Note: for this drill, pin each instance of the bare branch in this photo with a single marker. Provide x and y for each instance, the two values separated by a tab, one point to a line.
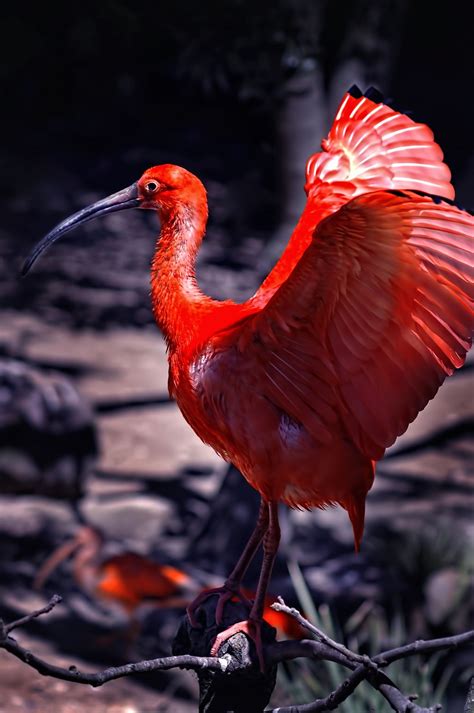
302	648
55	599
357	658
368	668
109	674
308	649
424	647
330	702
361	667
397	700
98	679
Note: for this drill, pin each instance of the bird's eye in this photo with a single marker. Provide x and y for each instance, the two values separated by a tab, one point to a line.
151	186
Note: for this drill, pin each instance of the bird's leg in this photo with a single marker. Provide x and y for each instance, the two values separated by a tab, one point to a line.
231	586
271	542
252	626
235	577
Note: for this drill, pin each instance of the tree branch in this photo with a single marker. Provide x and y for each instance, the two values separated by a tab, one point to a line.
401	703
109	674
423	647
6	628
361	667
368	668
357	658
330	702
73	674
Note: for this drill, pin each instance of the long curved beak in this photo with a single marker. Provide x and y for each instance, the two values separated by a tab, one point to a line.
126	198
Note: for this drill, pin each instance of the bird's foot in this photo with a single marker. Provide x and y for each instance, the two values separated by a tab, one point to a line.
252	628
228	591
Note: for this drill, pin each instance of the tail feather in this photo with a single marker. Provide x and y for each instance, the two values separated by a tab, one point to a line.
355	506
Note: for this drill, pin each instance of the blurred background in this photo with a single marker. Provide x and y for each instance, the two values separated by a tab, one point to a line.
106	496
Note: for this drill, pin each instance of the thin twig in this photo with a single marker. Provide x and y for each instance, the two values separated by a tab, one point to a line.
308	649
401	703
423	647
300	648
330	702
357	658
396	698
54	601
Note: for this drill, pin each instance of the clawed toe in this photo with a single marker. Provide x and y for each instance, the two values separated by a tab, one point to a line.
252	628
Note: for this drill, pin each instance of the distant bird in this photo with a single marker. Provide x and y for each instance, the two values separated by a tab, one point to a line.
128	578
131	580
367	311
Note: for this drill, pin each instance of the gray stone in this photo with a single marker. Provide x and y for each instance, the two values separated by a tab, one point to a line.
47	432
132	519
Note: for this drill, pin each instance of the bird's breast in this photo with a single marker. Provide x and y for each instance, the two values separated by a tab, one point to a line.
222	396
199	388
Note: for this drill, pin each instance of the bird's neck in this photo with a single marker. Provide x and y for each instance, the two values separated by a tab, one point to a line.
178	304
87	559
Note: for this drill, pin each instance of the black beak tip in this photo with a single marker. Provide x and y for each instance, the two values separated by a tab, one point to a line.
24	269
126	198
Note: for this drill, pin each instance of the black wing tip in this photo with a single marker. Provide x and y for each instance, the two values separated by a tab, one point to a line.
26	267
355	92
370	93
374	95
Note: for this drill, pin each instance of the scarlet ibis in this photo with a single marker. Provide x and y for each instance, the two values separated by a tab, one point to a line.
128	578
366	312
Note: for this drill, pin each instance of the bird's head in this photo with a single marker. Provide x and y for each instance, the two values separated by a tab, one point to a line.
167	189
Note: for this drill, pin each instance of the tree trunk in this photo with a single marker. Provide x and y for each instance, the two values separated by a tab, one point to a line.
301	122
365	56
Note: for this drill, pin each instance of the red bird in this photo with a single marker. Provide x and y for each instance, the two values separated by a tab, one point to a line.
367	311
128	578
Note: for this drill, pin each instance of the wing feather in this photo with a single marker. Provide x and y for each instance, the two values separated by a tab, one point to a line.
372	146
377	312
369	147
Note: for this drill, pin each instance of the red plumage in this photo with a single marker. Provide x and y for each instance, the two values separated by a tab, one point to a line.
369	308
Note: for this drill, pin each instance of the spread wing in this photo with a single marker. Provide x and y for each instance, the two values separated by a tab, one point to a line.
376	313
370	146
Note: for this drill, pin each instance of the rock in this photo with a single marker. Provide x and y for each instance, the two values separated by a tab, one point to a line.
30	528
155	442
135	519
124	374
47	433
31	516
